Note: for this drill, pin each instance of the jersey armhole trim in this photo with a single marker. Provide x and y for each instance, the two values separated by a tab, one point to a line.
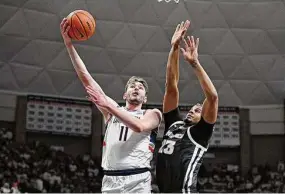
109	119
193	141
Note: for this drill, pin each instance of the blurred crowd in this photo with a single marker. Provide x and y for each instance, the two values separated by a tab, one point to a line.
38	168
228	179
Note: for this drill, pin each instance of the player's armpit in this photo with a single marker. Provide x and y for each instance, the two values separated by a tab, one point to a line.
210	110
151	120
171	98
105	112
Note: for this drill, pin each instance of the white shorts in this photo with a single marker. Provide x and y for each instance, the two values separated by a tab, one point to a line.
137	183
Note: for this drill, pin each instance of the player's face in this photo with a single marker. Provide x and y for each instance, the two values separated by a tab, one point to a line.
194	115
135	93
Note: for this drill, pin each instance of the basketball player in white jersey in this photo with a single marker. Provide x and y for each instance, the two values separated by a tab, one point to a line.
130	131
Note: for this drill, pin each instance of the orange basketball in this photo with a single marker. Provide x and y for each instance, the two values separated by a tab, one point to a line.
82	25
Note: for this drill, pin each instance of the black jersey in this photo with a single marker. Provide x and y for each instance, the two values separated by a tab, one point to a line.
181	153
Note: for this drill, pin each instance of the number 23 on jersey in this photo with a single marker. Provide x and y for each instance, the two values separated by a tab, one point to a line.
167	147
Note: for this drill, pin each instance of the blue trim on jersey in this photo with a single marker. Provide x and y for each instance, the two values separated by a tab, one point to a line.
125	172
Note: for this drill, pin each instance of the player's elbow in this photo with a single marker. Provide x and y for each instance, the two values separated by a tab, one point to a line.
138	129
171	80
213	97
171	87
141	127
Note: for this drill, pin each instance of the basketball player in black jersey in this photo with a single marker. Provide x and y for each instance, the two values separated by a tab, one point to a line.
185	140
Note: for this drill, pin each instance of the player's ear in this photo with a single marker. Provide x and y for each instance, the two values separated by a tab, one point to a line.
145	99
125	96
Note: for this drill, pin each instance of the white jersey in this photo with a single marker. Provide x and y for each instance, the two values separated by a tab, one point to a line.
124	148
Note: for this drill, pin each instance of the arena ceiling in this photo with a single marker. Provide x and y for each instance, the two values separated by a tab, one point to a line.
242	47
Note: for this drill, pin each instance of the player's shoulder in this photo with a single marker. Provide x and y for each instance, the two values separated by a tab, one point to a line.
154	111
204	124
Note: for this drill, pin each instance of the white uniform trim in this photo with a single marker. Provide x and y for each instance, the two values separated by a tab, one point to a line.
188	168
191	168
193	141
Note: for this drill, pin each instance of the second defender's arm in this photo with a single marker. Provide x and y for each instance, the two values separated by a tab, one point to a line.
171	96
210	105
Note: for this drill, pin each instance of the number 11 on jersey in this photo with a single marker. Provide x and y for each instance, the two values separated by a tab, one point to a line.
123	133
167	147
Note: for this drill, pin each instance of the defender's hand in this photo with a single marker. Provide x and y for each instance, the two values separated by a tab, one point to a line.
190	51
179	33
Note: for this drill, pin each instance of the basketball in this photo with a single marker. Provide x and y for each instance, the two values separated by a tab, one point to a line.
82	25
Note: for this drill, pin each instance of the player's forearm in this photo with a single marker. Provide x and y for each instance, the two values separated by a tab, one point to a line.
205	82
172	69
81	69
126	118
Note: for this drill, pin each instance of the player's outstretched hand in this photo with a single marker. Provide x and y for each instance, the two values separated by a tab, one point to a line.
64	28
179	32
97	97
190	51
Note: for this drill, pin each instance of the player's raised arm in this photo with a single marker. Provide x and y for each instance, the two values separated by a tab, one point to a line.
210	105
151	120
171	96
79	65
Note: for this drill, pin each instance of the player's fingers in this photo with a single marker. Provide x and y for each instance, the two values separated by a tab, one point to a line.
89	98
89	88
182	25
177	27
182	50
183	33
63	22
65	25
189	42
187	24
197	43
186	43
90	92
67	29
192	41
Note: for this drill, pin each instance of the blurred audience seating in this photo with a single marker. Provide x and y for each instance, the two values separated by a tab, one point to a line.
38	168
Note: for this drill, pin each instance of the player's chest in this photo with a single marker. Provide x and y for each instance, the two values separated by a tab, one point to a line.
176	133
119	132
173	140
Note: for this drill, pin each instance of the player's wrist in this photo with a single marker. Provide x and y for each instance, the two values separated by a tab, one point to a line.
194	62
109	107
68	43
175	46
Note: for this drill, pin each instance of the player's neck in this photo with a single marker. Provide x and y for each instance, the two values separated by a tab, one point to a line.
133	107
